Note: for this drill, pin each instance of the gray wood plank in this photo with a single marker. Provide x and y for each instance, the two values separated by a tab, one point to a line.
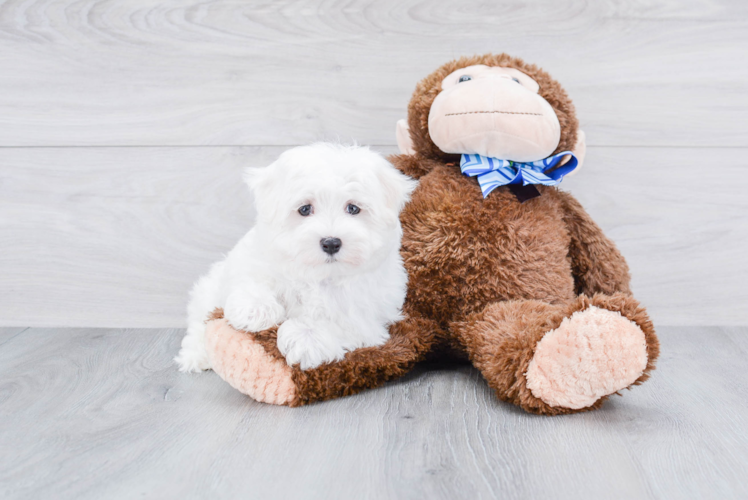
8	333
116	236
92	413
140	72
682	226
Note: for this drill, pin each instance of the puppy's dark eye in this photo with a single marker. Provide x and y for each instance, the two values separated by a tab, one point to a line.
352	209
305	210
516	80
464	78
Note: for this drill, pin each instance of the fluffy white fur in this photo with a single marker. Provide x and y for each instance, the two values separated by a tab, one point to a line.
278	273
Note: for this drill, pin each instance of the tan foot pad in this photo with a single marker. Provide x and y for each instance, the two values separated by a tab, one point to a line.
244	364
592	354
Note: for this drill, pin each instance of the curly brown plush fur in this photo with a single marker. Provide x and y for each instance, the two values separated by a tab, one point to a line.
488	278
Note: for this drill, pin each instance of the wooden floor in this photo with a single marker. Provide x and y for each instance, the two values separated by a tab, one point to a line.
124	129
101	413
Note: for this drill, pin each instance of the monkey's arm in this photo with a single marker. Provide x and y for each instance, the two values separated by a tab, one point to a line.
413	166
596	263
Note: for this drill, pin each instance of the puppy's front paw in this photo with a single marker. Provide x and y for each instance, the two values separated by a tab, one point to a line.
192	356
307	345
248	312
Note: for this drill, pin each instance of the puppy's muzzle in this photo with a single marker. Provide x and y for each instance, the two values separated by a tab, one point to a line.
330	245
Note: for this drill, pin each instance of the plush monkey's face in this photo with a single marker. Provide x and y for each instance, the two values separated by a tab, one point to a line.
493	111
494	105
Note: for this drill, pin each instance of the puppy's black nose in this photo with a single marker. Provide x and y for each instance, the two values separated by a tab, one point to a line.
330	245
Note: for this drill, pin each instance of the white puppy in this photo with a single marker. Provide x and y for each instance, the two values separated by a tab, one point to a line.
322	260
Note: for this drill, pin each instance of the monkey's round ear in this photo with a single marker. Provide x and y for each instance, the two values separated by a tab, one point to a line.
579	150
404	142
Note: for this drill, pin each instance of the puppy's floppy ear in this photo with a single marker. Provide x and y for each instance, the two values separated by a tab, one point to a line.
257	178
397	186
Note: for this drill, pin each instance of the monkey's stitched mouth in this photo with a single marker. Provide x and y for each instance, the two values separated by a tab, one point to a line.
501	112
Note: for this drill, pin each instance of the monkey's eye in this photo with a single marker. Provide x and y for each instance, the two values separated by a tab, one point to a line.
516	80
464	78
352	209
305	210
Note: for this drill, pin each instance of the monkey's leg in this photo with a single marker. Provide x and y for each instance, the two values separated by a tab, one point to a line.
556	359
252	364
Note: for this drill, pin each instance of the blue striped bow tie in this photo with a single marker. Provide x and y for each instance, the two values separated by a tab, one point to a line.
492	172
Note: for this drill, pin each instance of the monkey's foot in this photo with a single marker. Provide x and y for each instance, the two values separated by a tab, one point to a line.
252	363
243	362
593	353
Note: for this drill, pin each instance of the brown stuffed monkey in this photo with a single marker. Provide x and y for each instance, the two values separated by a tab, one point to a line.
513	275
